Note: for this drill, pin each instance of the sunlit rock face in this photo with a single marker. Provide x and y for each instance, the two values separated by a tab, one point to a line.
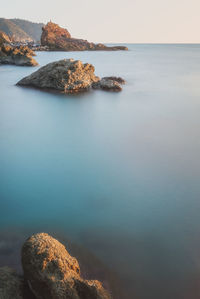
53	35
21	56
66	76
13	55
53	273
69	76
50	272
59	39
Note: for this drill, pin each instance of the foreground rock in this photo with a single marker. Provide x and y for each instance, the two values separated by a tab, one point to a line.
53	274
12	240
69	76
21	56
59	39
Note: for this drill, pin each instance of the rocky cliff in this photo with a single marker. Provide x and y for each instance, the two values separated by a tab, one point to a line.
59	39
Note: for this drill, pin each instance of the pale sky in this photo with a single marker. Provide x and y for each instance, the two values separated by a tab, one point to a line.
129	21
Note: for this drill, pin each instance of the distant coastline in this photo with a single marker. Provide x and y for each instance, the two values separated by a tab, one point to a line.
50	37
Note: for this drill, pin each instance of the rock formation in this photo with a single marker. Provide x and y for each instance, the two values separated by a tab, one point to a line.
109	84
59	39
117	79
21	56
53	274
68	76
50	272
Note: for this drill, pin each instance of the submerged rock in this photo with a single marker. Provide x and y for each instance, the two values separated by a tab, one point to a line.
117	79
21	56
67	76
53	274
107	84
59	39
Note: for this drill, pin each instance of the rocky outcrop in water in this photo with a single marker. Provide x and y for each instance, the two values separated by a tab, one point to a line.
109	84
117	79
50	272
68	76
21	56
59	39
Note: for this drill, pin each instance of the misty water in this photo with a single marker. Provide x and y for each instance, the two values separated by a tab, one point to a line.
119	173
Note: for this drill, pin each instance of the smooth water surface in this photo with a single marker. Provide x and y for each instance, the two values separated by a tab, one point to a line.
119	173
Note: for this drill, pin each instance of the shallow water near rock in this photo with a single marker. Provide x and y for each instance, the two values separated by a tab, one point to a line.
119	173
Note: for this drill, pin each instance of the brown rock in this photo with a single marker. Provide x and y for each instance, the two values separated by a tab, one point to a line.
59	39
117	79
53	34
107	85
53	274
67	76
21	56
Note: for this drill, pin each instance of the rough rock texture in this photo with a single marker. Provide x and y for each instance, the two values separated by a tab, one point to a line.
11	285
52	33
67	76
53	274
4	38
70	76
57	38
19	56
12	240
117	79
107	84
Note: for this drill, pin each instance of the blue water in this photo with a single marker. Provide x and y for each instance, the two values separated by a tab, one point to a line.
119	173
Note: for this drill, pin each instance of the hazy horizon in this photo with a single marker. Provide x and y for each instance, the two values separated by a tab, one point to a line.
143	21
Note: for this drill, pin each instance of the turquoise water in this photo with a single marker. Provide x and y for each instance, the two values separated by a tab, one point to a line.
119	173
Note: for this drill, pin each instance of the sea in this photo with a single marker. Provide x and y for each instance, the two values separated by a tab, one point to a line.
118	173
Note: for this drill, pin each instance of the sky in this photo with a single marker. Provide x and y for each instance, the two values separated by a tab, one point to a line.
128	21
